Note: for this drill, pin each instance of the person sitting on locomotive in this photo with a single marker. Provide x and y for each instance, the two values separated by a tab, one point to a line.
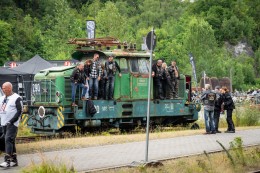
157	74
111	67
209	97
102	83
94	77
174	73
77	78
167	85
87	66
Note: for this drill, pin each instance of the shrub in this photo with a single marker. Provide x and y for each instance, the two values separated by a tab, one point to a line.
46	167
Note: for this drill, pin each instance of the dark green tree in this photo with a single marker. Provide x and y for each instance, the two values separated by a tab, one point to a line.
5	40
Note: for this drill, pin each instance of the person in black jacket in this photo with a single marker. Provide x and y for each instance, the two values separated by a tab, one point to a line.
102	83
157	74
78	79
228	106
111	67
167	84
87	68
217	108
175	76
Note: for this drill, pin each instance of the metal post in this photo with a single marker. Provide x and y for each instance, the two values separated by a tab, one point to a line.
149	99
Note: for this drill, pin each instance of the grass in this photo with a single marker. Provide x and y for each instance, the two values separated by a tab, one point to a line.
48	167
244	160
107	139
207	163
24	131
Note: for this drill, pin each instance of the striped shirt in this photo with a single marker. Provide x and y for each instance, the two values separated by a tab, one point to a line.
95	70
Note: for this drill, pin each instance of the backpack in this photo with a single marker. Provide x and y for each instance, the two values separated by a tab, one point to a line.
90	108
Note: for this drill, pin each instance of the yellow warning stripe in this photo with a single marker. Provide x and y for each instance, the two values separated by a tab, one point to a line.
24	119
60	117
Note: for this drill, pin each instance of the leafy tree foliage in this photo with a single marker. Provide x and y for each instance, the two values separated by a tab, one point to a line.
5	39
201	28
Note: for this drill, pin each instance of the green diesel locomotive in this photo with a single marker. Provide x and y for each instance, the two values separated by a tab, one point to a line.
51	112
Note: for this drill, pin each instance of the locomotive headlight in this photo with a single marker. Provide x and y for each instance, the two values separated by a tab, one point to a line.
58	97
58	94
41	112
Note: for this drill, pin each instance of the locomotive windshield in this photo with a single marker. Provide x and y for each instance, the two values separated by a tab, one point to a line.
139	65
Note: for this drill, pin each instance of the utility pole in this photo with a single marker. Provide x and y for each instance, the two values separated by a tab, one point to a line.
150	42
230	76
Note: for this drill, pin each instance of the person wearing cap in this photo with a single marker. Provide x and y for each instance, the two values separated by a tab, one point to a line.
217	108
111	68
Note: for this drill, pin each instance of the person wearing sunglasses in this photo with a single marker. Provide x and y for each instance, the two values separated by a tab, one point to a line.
10	113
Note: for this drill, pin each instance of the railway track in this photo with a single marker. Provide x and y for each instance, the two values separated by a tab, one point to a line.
22	140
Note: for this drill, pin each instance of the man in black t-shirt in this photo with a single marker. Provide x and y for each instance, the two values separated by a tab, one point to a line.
111	67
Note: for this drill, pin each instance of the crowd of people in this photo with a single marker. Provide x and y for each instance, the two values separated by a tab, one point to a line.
95	79
165	80
215	102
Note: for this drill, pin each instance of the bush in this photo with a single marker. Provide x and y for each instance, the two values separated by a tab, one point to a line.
247	116
46	167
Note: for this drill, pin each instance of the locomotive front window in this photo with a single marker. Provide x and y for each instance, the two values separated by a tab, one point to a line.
123	64
143	66
134	65
139	65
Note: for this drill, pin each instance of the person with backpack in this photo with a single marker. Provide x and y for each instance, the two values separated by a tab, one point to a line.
111	67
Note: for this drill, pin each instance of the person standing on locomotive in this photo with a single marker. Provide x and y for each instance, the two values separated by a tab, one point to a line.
157	73
209	97
228	106
94	77
102	83
10	113
87	66
111	67
77	78
174	73
167	85
217	108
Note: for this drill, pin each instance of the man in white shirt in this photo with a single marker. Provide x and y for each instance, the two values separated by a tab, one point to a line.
10	113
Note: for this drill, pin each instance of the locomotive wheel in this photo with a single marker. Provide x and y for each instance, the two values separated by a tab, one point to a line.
195	126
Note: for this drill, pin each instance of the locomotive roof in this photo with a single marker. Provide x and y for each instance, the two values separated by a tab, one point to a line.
103	46
57	69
